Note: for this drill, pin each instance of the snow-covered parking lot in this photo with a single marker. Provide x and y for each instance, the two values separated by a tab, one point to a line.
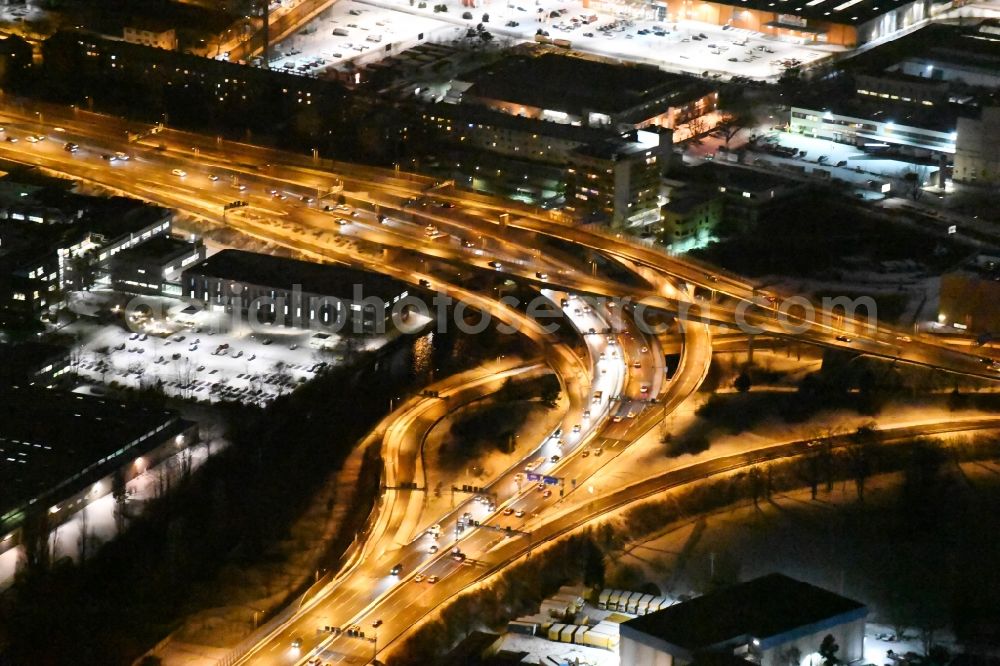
205	361
368	30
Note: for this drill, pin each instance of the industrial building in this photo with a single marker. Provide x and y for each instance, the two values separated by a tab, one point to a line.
288	292
842	22
59	451
761	622
537	82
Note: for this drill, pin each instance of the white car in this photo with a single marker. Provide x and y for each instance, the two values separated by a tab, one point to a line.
124	157
180	173
212	177
31	138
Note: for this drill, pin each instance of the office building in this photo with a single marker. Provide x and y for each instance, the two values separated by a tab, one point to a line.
289	292
617	181
689	218
52	241
155	266
763	622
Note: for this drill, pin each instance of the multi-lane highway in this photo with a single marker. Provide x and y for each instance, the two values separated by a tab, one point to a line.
266	175
615	380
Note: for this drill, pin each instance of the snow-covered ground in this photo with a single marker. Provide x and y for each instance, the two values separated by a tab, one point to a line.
543	651
205	356
400	23
839	160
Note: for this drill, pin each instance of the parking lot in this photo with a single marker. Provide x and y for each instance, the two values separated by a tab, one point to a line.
367	27
356	33
198	356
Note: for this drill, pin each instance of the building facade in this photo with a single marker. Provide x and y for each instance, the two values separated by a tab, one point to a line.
763	622
157	37
977	149
287	292
618	181
870	131
842	22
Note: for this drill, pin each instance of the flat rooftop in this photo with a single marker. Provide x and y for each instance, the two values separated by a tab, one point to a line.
564	82
266	270
160	249
762	608
113	217
975	45
50	437
480	115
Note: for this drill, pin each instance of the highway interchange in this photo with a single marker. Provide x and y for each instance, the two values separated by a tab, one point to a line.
614	376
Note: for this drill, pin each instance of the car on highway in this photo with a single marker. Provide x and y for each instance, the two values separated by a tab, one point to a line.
70	147
124	157
432	579
296	642
577	428
586	452
11	139
644	350
547	494
433	549
630	415
508	511
843	338
555	459
396	570
617	418
637	364
212	177
644	388
519	514
495	265
31	138
541	276
180	173
419	578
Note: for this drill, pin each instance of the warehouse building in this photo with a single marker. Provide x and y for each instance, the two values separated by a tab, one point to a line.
60	451
843	22
535	82
762	622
